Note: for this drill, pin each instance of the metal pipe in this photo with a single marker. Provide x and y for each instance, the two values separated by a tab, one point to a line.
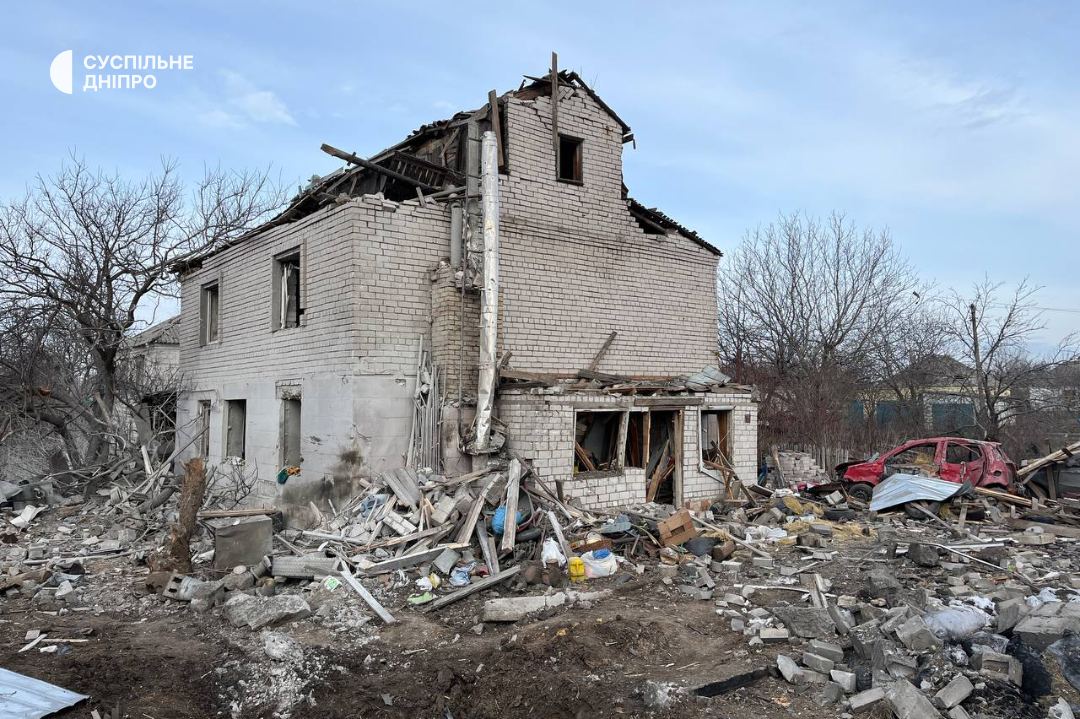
489	298
455	234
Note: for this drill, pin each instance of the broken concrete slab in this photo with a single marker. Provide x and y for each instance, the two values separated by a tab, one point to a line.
847	680
954	692
826	649
867	700
924	555
806	622
773	635
864	637
789	669
998	666
258	612
512	609
916	636
817	663
907	702
1010	612
1039	632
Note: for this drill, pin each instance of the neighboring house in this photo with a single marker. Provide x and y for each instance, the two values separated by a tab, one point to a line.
301	343
150	362
934	396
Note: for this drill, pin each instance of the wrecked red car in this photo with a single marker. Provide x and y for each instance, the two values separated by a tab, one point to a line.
953	459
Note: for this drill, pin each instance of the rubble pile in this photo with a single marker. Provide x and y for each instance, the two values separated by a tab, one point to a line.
969	606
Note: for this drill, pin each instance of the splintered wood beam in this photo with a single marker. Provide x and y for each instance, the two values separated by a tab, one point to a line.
369	165
510	519
496	126
555	106
602	351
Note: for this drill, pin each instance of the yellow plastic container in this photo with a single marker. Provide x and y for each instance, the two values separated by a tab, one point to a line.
577	569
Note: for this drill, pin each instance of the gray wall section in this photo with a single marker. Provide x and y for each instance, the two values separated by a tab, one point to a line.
575	266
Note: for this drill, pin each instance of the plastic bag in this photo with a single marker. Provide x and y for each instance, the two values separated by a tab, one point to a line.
498	522
552	554
599	563
956	623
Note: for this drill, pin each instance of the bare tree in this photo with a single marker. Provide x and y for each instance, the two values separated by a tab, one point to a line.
994	331
805	306
80	253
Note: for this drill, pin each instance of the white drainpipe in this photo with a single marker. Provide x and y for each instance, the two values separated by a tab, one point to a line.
489	298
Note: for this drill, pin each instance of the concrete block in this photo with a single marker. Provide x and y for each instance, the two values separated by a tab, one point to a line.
1009	613
1039	632
907	702
954	692
847	680
789	669
997	666
771	635
864	637
817	663
445	562
916	636
826	649
867	700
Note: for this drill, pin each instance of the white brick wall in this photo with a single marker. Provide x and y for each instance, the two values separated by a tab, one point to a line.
574	266
541	428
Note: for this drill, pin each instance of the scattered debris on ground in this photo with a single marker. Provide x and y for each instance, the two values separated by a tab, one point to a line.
485	595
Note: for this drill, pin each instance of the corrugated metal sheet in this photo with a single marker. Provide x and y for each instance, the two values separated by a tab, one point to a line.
23	697
901	488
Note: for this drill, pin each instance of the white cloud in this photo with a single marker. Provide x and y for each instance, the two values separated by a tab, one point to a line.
246	104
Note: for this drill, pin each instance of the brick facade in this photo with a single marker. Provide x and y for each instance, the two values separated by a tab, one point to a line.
375	279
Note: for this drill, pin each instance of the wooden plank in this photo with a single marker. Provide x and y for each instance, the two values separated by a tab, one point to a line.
408	560
474	513
557	528
514	374
366	595
555	107
602	351
674	402
472	589
513	488
1058	456
583	457
1058	530
1003	496
490	558
224	513
496	126
589	374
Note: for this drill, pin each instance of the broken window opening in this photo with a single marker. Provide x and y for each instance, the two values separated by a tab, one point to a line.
635	440
204	428
596	443
236	428
716	439
290	433
570	159
287	291
663	452
209	312
919	459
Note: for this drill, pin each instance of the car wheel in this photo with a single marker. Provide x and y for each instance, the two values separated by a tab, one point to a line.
839	515
862	492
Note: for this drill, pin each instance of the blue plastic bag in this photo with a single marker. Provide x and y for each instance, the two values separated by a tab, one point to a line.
498	522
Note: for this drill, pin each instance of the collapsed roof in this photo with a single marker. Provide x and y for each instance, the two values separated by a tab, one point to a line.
430	162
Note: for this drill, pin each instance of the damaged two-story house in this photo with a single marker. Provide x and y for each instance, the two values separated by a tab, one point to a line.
485	284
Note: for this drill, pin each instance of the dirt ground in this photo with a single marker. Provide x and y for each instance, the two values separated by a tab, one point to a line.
160	660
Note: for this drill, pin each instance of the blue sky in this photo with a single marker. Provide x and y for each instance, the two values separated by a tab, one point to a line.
956	125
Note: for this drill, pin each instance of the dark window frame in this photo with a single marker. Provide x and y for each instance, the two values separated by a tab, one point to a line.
210	313
287	309
575	174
